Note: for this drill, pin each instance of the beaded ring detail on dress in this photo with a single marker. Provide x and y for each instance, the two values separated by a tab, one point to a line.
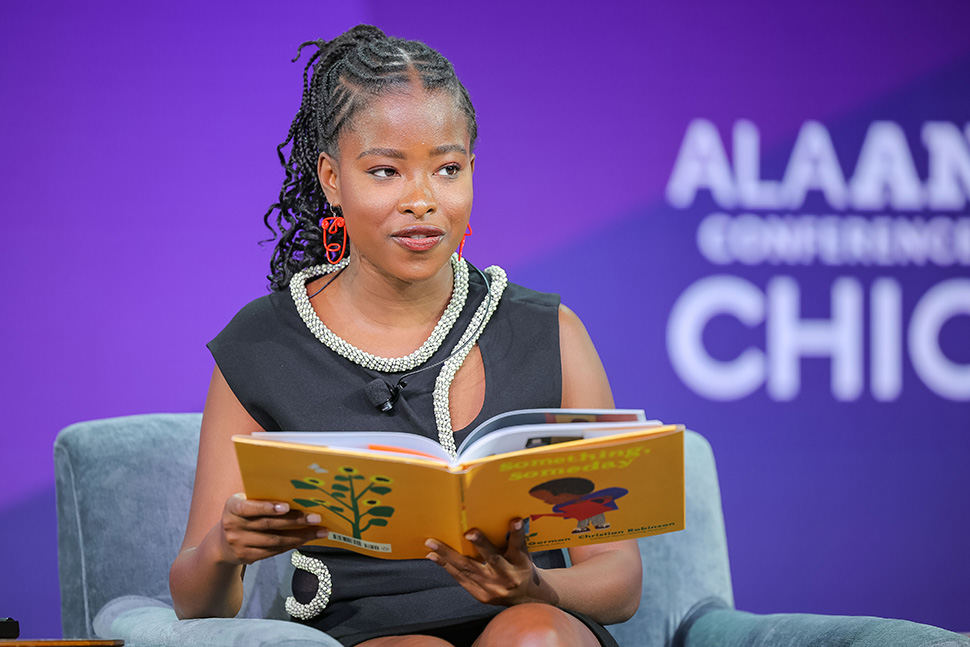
321	598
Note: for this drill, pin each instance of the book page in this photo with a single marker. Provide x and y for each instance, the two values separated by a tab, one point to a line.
548	416
513	439
393	441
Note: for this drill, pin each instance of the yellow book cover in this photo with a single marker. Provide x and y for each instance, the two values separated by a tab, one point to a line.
603	476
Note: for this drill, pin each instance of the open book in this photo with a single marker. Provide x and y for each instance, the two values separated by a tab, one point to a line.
576	476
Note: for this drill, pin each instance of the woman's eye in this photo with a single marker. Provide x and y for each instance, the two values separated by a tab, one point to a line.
383	172
449	170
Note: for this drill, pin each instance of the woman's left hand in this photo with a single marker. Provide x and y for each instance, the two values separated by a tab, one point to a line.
505	577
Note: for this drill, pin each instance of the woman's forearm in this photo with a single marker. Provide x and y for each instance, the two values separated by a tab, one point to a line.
203	583
606	586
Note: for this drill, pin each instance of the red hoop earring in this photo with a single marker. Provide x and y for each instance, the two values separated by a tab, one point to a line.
333	225
461	245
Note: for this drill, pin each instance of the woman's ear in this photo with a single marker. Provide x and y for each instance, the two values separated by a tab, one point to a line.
329	182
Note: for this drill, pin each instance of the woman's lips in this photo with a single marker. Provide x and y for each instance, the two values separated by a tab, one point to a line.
418	238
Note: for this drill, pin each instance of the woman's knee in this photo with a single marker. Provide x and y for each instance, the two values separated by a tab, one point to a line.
535	625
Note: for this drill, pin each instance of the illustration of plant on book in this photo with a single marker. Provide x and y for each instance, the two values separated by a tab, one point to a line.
346	502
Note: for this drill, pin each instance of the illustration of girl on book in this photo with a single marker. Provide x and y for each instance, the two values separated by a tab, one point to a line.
573	498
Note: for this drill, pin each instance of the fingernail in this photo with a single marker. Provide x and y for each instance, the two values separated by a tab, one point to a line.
281	507
322	533
432	544
471	535
313	518
433	557
517	524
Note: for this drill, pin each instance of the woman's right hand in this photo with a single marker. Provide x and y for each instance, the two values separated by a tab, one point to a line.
254	529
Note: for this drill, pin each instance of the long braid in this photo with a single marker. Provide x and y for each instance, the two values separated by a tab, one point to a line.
339	79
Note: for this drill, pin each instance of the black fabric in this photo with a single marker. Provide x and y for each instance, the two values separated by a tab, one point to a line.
287	380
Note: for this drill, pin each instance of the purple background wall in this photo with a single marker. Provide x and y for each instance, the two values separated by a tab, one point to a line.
138	157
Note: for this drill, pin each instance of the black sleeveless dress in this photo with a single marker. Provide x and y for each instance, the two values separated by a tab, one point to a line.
287	380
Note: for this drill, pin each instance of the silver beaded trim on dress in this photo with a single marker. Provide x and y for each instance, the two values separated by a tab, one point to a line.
347	350
498	280
324	588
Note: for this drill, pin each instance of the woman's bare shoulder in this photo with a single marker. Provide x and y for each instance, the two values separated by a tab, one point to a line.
584	381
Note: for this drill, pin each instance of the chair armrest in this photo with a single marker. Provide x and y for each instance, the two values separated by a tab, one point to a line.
730	628
683	570
144	622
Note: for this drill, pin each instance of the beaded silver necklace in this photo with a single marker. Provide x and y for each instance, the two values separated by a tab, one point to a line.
440	396
345	349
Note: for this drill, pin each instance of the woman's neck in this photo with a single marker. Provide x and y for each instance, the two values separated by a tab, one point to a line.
382	314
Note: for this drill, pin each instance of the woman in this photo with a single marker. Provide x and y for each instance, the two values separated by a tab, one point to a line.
377	197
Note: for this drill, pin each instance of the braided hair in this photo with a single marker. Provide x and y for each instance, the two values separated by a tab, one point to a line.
339	79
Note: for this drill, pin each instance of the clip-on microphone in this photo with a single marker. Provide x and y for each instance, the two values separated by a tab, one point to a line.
382	395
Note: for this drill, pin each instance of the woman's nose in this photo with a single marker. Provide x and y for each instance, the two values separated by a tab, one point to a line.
418	199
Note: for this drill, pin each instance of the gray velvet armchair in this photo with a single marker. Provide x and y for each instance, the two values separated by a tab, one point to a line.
123	489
